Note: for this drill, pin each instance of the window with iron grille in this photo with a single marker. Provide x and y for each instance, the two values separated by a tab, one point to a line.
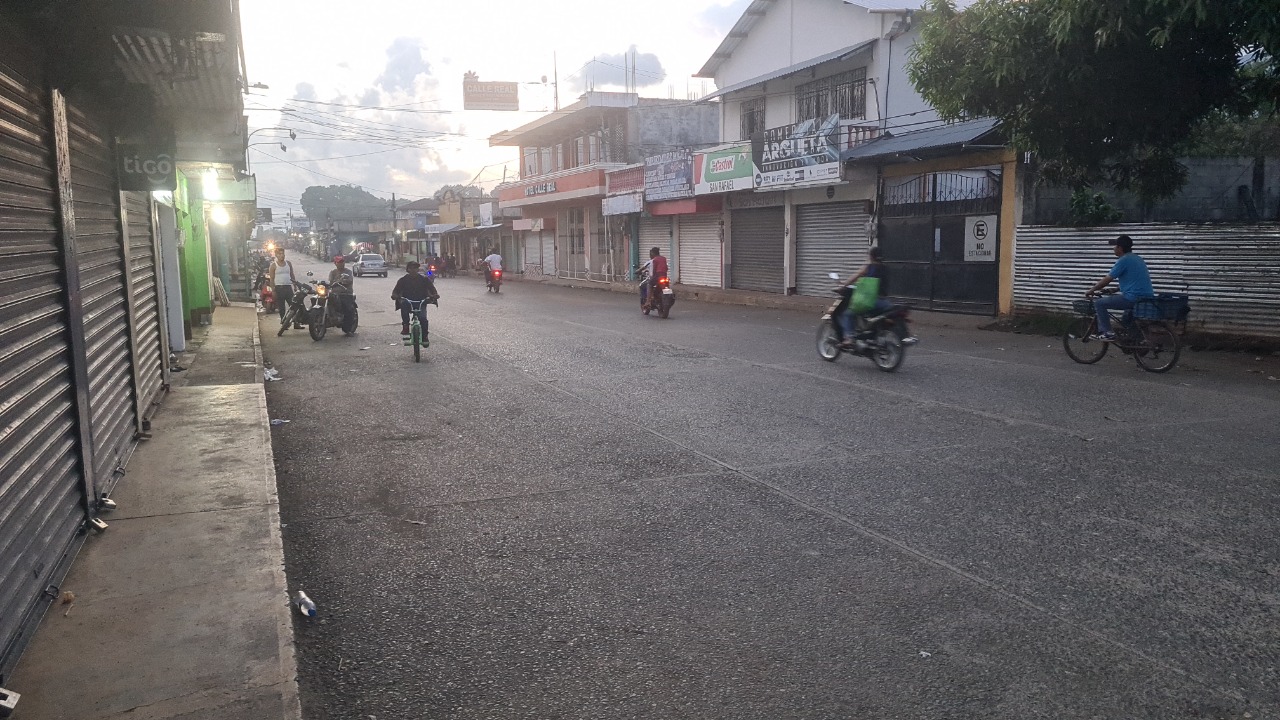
751	119
844	95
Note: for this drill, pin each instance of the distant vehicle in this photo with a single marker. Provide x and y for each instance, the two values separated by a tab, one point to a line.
370	264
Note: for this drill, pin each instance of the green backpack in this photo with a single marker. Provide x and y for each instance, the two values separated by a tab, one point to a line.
865	294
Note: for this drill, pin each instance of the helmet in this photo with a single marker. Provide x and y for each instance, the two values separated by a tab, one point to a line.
339	258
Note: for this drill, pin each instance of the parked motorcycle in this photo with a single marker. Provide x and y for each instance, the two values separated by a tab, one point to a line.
296	313
883	338
331	307
661	299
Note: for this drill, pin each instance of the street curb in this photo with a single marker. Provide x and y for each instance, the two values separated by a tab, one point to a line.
291	702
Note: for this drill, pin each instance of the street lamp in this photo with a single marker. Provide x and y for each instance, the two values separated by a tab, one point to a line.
283	148
292	136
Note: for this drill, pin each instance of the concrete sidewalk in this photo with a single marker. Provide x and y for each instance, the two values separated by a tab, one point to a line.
181	607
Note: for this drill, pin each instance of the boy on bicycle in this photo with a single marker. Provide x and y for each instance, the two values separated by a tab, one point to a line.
414	286
1135	282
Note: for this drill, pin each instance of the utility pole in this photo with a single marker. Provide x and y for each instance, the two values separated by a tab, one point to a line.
555	71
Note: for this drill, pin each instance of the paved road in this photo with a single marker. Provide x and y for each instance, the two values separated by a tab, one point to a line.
569	510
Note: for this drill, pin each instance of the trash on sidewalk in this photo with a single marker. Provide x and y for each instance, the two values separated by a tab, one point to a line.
415	522
925	654
367	347
270	375
68	597
277	422
305	606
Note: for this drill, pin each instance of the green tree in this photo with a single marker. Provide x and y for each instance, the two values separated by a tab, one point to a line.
465	191
1103	91
343	202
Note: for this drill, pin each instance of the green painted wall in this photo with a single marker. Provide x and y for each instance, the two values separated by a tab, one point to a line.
197	294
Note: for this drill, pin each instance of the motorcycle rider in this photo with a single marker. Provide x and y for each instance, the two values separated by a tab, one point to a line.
493	261
875	268
342	283
655	268
414	286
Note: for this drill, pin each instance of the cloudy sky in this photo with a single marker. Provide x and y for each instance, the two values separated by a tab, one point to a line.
373	89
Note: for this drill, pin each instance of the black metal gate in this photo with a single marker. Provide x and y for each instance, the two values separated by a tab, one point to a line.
925	228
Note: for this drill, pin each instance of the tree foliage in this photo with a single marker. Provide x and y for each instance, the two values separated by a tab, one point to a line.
343	202
1103	91
463	191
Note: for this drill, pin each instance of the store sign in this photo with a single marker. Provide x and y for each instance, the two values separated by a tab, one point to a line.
801	154
623	204
668	176
980	238
477	95
745	201
262	216
723	171
146	167
545	188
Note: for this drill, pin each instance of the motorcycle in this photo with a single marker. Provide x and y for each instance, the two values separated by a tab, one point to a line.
332	308
883	338
296	313
661	299
493	280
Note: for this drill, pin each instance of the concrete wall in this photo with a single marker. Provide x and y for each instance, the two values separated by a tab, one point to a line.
1211	195
794	31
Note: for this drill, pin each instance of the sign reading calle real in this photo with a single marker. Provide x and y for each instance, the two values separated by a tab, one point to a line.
668	176
146	166
804	153
477	95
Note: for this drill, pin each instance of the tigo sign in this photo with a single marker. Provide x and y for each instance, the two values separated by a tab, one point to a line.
146	167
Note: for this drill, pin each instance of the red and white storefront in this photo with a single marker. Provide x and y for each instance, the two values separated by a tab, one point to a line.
562	229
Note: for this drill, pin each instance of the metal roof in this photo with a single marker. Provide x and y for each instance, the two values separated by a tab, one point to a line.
912	145
842	54
900	6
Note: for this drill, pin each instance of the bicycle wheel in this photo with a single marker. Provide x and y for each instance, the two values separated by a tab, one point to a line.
1079	343
415	332
1160	346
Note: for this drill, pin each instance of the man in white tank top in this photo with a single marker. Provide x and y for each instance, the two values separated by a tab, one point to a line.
282	277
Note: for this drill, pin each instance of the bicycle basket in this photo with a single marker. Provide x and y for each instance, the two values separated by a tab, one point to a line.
1082	307
1165	306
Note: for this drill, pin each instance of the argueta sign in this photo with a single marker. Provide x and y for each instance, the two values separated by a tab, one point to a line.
146	167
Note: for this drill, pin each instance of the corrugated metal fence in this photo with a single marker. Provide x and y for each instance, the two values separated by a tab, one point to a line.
1231	272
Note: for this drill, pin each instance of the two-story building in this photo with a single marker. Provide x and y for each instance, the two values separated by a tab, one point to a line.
566	227
806	89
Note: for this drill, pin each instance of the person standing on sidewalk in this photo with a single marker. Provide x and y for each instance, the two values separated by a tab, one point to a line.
282	277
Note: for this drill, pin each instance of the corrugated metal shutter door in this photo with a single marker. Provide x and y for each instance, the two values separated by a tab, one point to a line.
655	232
757	249
699	247
829	237
532	253
548	252
146	300
100	252
41	489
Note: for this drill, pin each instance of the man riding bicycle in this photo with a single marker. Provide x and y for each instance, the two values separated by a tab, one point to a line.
414	286
1135	282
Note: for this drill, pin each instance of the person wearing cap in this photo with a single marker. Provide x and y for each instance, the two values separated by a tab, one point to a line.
339	276
1131	272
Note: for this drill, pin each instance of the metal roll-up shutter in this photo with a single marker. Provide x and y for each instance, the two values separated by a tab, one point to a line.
757	249
829	237
42	503
100	253
532	253
699	249
147	315
548	252
655	232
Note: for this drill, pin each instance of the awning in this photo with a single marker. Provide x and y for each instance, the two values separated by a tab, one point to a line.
838	55
982	133
439	228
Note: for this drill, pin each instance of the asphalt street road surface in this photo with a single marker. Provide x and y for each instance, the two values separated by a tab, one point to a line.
570	510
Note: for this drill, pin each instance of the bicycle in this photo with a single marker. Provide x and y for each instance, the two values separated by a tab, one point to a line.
1145	332
416	337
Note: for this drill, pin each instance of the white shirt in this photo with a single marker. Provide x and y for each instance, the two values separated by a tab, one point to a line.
494	261
284	273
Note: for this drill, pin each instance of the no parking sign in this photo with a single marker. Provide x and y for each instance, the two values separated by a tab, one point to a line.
980	238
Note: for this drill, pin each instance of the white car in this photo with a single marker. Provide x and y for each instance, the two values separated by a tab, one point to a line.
370	264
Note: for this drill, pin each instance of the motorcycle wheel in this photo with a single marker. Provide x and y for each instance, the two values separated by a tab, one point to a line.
664	307
828	341
287	320
889	351
316	325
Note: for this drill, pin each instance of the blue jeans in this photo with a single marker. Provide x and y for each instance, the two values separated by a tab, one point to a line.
422	314
1109	302
848	320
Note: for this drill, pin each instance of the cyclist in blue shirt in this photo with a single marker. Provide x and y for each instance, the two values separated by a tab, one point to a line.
1135	282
